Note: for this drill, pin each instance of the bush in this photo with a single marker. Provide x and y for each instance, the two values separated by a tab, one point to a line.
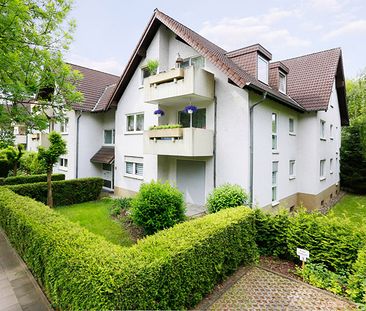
65	192
157	206
357	281
226	196
30	164
120	204
173	269
28	179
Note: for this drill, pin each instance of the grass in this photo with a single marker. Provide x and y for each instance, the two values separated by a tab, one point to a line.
353	207
95	217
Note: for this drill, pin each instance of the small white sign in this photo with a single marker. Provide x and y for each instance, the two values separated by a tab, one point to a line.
303	253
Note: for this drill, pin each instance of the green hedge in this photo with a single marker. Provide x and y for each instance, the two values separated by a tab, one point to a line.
357	281
65	192
172	269
28	179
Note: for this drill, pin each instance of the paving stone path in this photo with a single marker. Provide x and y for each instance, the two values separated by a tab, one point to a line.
259	289
18	289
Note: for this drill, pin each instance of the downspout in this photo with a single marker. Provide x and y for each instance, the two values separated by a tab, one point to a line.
251	144
77	145
214	141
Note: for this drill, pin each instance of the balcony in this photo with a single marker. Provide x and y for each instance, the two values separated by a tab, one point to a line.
41	139
186	142
179	85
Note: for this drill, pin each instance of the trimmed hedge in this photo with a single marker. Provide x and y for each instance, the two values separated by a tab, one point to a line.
28	179
65	192
172	269
357	281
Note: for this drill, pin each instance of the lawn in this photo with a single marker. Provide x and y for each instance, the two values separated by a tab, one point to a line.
95	217
353	207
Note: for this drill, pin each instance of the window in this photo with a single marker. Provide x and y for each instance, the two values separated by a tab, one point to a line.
51	126
262	69
291	169
282	83
274	181
322	169
135	122
331	166
331	131
64	126
322	129
197	62
145	73
134	167
198	118
63	163
291	126
274	132
109	137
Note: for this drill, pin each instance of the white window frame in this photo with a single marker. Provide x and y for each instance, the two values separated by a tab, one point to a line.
292	169
134	123
322	174
62	161
274	192
135	161
293	132
284	77
189	60
331	166
142	70
274	133
113	137
265	62
64	126
322	130
331	132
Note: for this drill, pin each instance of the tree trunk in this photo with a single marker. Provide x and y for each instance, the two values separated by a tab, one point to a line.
49	188
15	169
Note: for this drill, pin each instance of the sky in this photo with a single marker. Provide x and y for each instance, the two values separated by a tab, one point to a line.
108	31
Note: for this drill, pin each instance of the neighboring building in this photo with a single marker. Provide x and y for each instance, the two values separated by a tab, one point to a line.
88	130
271	127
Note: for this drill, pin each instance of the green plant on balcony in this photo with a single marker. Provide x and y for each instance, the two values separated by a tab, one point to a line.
166	126
152	66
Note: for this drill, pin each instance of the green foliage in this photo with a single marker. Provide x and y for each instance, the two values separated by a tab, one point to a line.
7	136
173	269
157	206
31	165
164	127
357	281
226	196
34	35
65	192
118	205
28	179
152	66
48	157
13	155
318	275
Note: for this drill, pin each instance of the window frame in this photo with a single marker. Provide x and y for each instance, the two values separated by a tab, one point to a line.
322	173
61	163
64	126
274	133
322	130
134	115
331	171
274	186
113	137
331	132
292	166
266	62
189	60
284	76
135	161
143	69
293	132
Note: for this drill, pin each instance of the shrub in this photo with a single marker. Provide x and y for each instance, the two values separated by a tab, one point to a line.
28	179
66	192
226	196
173	269
30	164
157	206
357	281
165	126
120	204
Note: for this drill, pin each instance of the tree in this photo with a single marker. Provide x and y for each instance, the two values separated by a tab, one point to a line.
13	156
35	82
49	157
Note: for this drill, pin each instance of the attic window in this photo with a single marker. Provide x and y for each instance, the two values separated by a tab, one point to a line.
282	87
262	69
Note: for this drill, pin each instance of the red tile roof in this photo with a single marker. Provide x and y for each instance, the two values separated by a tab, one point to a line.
97	87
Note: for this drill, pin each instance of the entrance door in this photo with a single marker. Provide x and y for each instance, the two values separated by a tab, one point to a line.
107	175
191	180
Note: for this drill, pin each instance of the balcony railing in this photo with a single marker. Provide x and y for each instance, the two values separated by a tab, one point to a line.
171	87
188	142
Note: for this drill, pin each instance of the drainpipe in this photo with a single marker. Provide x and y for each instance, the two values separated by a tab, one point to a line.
251	143
77	145
214	141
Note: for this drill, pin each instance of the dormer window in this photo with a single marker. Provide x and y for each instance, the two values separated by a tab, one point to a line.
262	69
282	87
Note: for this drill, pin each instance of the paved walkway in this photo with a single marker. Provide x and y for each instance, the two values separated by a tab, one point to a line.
255	288
18	289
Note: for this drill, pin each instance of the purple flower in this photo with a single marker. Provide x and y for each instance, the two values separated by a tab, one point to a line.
159	112
190	109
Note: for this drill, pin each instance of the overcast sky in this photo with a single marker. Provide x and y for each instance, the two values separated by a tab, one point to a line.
108	30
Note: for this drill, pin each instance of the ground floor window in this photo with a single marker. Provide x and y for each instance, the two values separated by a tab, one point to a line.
322	169
63	163
134	167
274	181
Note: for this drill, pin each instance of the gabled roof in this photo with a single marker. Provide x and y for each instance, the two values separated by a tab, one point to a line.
311	77
209	50
97	87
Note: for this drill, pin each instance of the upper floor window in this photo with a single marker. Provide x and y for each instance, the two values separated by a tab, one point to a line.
291	126
262	69
322	169
292	169
109	137
274	132
198	118
135	122
282	87
64	125
331	131
322	129
197	62
145	73
331	165
274	181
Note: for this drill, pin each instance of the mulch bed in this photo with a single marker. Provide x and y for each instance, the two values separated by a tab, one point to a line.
281	266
